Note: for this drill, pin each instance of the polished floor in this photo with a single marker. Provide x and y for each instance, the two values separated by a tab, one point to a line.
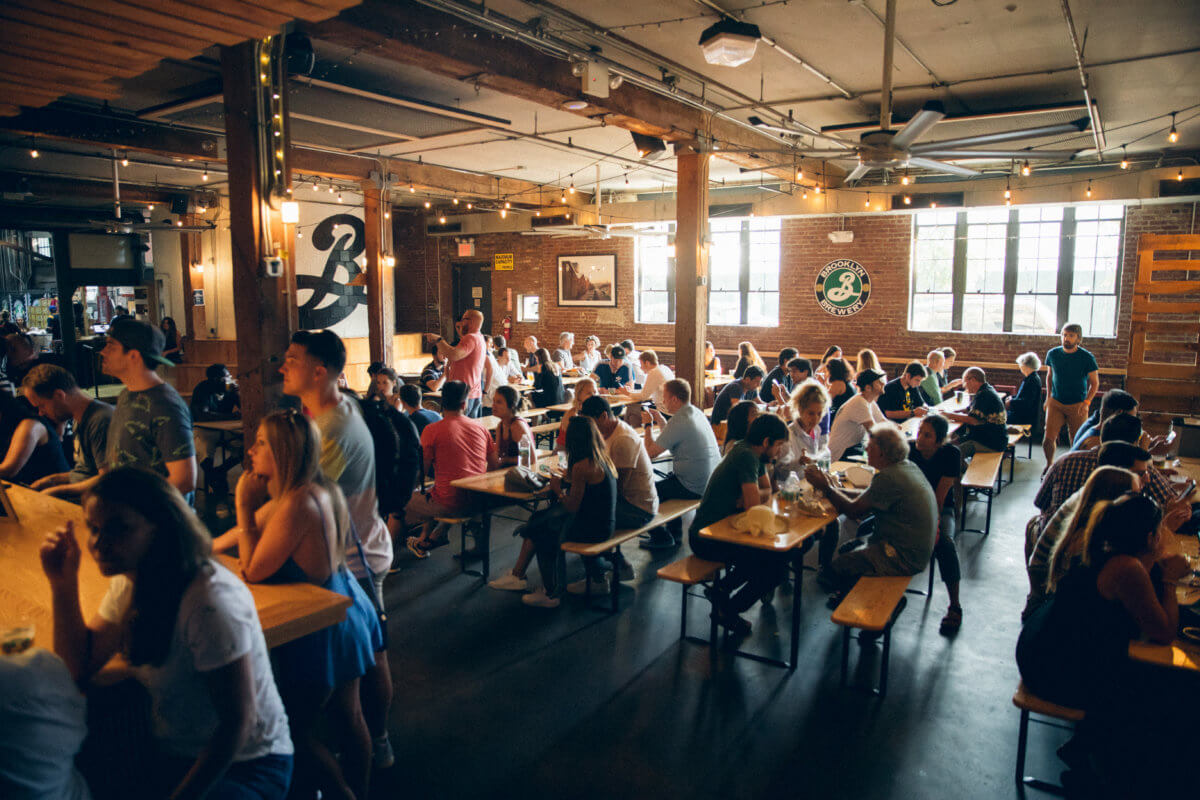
494	699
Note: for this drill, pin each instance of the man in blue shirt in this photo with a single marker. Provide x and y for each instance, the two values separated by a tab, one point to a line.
693	447
744	388
410	399
1072	379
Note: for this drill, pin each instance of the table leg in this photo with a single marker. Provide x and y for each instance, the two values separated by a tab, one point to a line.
798	571
485	544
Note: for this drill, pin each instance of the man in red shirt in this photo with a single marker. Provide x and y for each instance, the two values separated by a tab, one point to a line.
454	447
467	360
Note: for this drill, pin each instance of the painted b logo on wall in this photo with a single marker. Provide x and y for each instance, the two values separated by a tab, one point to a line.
842	287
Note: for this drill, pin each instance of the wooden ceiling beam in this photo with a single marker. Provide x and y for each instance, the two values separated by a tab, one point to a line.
85	30
101	90
203	14
112	131
141	18
442	44
88	60
51	186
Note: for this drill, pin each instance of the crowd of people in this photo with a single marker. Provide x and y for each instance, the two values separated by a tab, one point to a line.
330	486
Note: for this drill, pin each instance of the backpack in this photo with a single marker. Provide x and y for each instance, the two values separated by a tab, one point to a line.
397	454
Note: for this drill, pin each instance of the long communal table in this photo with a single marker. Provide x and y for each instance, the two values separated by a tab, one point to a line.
286	611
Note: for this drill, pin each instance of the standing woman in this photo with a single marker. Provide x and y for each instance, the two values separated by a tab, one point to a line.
547	385
188	628
172	346
512	429
840	385
292	528
591	355
748	357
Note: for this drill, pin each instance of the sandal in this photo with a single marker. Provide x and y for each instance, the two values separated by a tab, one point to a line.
951	622
417	547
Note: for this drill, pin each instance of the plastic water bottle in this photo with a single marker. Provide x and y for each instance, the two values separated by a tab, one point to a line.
823	459
790	491
524	455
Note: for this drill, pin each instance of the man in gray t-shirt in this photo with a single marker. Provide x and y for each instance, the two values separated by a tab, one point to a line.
53	392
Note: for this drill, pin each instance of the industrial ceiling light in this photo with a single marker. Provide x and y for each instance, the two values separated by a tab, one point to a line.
729	43
575	105
1025	170
428	204
1124	158
647	146
1179	175
1173	136
1089	189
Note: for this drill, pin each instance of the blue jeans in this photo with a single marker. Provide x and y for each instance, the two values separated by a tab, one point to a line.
474	408
265	778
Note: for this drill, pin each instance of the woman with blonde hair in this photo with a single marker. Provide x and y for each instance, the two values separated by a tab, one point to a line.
293	527
583	390
748	357
868	360
808	431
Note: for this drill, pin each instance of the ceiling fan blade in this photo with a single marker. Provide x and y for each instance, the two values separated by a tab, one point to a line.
827	153
916	127
941	166
859	171
955	154
1076	126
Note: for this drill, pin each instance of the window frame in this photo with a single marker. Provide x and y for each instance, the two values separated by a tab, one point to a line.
1064	283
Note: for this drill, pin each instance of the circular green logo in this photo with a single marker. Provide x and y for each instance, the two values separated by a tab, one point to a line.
842	287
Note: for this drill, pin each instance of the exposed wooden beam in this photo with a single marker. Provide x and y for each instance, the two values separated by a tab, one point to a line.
50	186
381	291
691	267
439	43
110	130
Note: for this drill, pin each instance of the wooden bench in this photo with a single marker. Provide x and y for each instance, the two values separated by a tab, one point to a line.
688	572
667	511
1029	703
546	431
471	525
1010	451
980	478
872	606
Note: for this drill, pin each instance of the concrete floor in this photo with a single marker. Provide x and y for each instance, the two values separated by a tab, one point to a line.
494	699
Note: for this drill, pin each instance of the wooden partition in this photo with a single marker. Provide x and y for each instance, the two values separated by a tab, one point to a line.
1164	348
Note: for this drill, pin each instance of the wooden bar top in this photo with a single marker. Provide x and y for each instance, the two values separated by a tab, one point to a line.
286	611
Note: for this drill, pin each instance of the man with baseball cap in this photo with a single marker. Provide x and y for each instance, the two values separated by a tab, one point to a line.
856	416
151	426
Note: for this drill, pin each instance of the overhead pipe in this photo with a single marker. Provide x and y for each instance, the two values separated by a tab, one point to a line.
889	39
1097	134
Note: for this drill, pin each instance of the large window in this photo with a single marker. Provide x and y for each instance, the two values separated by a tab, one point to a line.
743	273
1016	270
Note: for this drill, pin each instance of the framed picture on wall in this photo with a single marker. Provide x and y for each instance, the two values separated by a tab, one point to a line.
589	280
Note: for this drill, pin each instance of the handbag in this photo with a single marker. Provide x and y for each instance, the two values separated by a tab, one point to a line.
524	479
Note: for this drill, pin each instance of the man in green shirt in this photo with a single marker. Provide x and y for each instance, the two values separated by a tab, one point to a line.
739	482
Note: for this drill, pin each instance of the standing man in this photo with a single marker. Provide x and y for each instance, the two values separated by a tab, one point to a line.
310	370
1072	379
466	359
694	453
54	394
151	425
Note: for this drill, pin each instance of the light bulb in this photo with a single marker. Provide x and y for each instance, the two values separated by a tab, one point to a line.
537	213
1008	202
150	207
571	189
470	206
331	188
1088	192
904	180
125	160
507	204
316	186
867	202
203	177
805	195
202	209
1179	175
562	198
441	220
907	200
1173	136
933	204
299	234
455	201
799	174
339	197
817	189
34	153
289	212
427	204
1008	194
412	189
1025	170
503	213
387	215
198	267
178	223
1124	162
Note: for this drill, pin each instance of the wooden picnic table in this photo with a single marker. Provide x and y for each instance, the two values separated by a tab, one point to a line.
286	611
231	426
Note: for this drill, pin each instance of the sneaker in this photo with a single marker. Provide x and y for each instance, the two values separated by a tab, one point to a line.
416	547
951	622
659	541
509	583
383	757
581	587
539	599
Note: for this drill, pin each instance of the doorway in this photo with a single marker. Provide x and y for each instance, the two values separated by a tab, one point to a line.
473	289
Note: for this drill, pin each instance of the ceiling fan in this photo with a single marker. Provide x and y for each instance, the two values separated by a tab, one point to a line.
886	148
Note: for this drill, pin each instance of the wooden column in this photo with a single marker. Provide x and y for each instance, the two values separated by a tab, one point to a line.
195	321
264	308
66	294
381	296
691	269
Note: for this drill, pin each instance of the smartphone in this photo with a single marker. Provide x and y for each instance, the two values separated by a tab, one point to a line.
1187	489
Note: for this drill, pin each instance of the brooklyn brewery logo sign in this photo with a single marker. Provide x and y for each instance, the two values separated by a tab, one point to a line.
842	287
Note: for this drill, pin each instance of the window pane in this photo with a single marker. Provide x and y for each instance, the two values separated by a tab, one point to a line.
1037	249
764	254
1035	313
654	307
986	246
983	313
1096	313
933	254
724	308
932	312
762	308
724	261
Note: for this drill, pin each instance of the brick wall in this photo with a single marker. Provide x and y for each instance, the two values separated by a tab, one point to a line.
881	244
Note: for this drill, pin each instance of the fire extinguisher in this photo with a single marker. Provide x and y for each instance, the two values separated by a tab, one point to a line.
508	328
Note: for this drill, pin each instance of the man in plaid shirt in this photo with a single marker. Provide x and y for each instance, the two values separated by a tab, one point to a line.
1069	473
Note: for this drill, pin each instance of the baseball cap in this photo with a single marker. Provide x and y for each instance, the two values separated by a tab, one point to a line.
133	334
868	376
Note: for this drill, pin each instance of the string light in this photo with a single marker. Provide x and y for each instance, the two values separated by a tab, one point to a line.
428	204
867	204
441	220
339	197
1173	136
387	214
904	179
933	204
299	234
33	151
150	207
805	195
470	206
331	188
507	204
1025	170
125	160
203	177
455	201
1007	189
1088	191
178	223
412	189
571	188
907	200
1124	158
817	189
1179	175
316	186
799	175
503	213
562	198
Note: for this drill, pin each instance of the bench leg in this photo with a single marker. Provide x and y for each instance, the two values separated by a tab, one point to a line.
683	613
987	523
798	571
1022	741
883	670
614	586
932	569
483	542
845	652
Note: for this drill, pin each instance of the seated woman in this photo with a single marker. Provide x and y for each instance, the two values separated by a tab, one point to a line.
822	374
748	357
941	463
808	429
1074	651
711	362
737	423
868	360
384	387
190	631
613	374
33	449
293	527
512	429
586	512
547	385
583	390
172	346
656	377
840	385
591	355
1025	406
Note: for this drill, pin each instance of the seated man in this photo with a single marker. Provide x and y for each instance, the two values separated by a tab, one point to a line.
778	376
566	340
741	481
902	398
948	386
454	447
931	386
984	423
744	388
799	370
1113	402
54	394
216	397
905	511
613	374
689	439
410	403
434	374
531	347
1067	475
856	416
